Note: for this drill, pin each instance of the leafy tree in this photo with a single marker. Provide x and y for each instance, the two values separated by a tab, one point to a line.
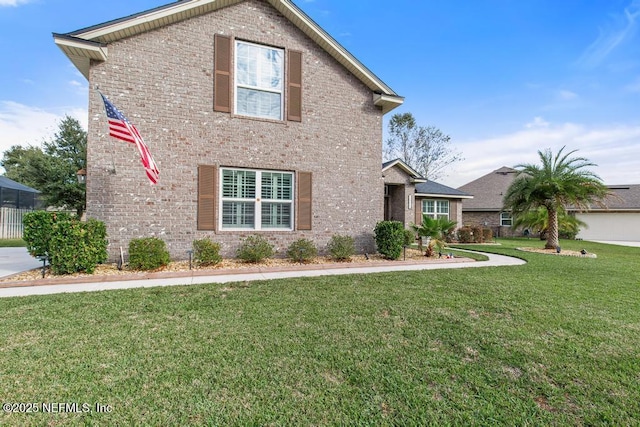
53	171
426	149
436	230
559	182
537	221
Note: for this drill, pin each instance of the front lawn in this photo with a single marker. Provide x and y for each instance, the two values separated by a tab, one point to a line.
555	341
12	243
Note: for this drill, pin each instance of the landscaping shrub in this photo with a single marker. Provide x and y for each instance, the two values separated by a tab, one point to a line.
487	235
341	247
302	250
77	246
148	253
409	237
390	238
478	236
206	252
465	234
38	230
254	249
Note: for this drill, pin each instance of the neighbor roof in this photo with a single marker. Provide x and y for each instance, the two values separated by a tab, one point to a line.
91	43
434	189
488	190
623	198
9	183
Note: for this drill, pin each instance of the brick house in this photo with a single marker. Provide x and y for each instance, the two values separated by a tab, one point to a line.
408	195
259	121
485	209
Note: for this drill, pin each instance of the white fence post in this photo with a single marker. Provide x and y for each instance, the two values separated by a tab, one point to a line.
11	223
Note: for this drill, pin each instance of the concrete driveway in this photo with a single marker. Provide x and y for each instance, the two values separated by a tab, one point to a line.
16	260
619	242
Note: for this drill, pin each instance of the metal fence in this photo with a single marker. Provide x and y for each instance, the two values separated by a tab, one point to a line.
11	222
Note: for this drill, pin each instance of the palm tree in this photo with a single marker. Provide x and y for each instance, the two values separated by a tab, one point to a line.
560	182
537	221
436	230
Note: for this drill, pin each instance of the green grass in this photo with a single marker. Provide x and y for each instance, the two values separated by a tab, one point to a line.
12	243
552	342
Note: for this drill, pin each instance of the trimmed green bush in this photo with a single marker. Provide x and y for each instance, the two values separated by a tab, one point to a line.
38	230
302	250
206	252
148	253
254	249
341	248
77	246
390	238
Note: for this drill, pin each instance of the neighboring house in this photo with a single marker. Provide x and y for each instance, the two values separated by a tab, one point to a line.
15	200
259	121
620	220
17	196
408	195
485	209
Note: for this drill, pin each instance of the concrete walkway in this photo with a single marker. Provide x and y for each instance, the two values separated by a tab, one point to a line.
196	277
16	260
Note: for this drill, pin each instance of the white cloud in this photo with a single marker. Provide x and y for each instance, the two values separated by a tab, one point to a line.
25	125
620	28
613	148
13	2
567	95
538	122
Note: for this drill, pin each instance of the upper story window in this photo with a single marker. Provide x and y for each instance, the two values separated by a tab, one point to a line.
259	81
436	208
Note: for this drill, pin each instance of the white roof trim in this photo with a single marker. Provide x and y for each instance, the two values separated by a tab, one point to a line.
408	169
443	196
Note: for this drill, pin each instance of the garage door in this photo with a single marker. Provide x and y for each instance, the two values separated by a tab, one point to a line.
610	226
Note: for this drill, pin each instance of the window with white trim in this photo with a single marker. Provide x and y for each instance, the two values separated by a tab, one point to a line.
259	81
256	199
436	208
505	219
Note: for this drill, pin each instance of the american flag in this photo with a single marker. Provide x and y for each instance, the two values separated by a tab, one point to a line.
120	128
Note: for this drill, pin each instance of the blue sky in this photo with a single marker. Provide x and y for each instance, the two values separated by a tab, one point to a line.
503	78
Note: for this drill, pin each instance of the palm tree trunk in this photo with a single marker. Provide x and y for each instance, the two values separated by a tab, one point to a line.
552	231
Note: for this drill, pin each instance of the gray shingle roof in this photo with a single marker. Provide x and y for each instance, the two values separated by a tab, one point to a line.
625	197
488	190
434	188
9	183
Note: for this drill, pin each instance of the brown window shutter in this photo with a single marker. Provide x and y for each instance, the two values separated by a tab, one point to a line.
207	197
222	74
304	201
294	86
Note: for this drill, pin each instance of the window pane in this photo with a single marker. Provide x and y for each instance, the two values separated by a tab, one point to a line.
253	102
238	184
443	207
277	186
238	214
428	206
276	215
259	80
